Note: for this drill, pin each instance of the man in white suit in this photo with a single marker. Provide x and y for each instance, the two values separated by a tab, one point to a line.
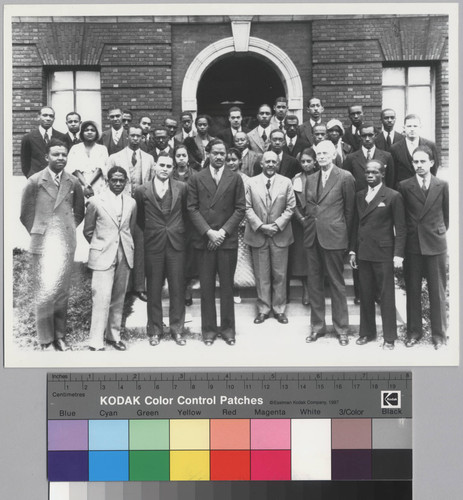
270	203
139	167
109	224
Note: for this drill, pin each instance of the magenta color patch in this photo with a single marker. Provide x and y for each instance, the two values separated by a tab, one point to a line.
270	465
272	434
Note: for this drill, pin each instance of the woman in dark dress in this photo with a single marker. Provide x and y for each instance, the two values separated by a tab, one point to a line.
297	256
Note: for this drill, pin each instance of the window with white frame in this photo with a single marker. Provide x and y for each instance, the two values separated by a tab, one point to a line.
79	91
408	90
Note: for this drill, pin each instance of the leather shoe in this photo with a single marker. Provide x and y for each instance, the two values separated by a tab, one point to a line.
281	318
260	318
362	340
438	345
119	346
230	341
61	345
189	301
154	340
312	337
47	347
357	301
305	298
411	342
90	348
142	296
179	340
343	340
208	342
388	345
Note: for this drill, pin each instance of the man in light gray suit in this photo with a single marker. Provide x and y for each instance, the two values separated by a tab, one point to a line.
270	203
327	222
52	207
109	224
259	137
139	167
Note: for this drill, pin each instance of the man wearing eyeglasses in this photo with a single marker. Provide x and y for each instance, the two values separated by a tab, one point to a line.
116	138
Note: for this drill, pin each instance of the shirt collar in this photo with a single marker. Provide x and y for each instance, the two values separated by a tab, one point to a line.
365	151
375	189
43	131
326	173
53	174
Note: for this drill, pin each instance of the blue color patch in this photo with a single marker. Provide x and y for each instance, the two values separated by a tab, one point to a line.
108	465
108	435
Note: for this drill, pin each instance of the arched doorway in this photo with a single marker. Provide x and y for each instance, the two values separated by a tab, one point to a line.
238	79
271	56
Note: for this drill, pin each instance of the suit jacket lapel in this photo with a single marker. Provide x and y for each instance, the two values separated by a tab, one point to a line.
379	197
208	182
149	190
64	188
108	207
416	190
433	192
48	184
175	192
303	197
332	179
223	184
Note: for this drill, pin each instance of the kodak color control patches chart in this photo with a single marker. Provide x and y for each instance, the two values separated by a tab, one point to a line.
309	428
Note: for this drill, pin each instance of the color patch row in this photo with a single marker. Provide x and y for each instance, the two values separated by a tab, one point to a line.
229	449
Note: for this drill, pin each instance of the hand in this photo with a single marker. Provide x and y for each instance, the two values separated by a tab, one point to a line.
269	229
216	237
353	261
398	261
211	247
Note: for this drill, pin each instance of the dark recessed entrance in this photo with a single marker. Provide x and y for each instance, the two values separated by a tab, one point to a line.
239	79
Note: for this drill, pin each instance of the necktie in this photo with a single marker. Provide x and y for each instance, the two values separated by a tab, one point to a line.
281	125
46	138
423	187
163	190
57	180
268	198
369	196
324	178
74	141
216	177
264	136
291	145
368	155
116	137
388	140
134	158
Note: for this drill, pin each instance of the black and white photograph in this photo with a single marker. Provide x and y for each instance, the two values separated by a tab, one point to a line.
231	185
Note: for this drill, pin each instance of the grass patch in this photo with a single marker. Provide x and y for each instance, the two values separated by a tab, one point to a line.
79	309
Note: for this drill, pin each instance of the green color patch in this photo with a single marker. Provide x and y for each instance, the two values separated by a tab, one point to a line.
149	465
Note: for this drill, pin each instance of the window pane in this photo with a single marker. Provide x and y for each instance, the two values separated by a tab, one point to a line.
395	99
89	106
87	80
419	75
420	103
393	76
62	103
61	80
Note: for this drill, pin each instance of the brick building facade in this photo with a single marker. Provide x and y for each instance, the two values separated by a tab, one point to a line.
151	65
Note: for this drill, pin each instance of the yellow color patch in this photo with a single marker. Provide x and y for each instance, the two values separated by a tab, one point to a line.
189	466
189	434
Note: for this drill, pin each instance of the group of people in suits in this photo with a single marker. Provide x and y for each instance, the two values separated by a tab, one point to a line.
169	195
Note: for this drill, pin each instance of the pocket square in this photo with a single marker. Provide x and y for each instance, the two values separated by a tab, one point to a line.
381	204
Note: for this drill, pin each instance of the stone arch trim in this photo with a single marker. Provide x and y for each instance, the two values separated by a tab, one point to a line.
279	59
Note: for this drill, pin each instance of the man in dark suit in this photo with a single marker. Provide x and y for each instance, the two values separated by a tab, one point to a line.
288	166
216	205
161	206
109	226
377	246
294	144
352	133
388	136
159	142
145	124
281	109
250	160
73	123
116	138
52	207
327	222
186	121
235	118
127	118
259	137
270	203
403	150
171	125
315	110
426	199
34	143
